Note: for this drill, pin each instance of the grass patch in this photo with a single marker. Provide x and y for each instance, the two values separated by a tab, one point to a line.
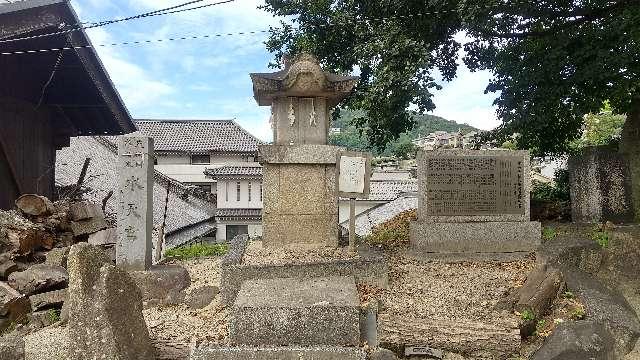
568	295
578	312
393	232
196	251
53	315
527	315
601	236
549	233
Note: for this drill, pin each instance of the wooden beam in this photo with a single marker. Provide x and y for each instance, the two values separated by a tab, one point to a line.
3	148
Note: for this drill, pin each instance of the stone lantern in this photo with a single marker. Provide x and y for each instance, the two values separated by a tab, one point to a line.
300	202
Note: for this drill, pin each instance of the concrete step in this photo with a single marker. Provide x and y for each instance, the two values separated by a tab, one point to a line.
305	312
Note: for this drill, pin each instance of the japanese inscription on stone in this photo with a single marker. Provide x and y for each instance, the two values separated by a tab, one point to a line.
135	202
474	185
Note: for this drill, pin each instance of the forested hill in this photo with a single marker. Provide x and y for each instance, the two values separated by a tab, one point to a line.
425	124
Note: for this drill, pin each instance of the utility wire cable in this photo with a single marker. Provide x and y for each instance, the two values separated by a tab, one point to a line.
210	36
159	12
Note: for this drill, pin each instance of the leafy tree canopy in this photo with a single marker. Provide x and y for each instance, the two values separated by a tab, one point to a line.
553	60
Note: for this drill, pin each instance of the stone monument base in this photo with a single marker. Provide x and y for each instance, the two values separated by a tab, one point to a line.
475	237
278	353
306	312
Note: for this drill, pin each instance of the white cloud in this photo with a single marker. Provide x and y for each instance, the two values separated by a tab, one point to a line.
138	88
463	99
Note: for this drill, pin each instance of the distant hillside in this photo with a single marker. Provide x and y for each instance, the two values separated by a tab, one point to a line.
425	124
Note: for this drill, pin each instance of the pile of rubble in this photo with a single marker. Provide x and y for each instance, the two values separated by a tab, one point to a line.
34	244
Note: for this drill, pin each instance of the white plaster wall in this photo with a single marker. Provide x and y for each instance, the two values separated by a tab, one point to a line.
221	232
254	228
361	206
173	159
255	231
230	186
185	173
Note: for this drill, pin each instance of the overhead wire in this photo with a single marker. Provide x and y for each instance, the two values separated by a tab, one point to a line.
159	12
209	36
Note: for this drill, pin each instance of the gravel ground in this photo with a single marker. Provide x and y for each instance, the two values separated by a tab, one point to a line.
441	290
256	254
180	323
50	343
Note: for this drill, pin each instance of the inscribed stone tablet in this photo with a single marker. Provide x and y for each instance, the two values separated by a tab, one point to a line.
352	174
474	185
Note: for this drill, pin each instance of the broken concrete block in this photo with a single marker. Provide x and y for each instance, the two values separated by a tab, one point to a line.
48	300
39	278
104	237
82	210
11	347
88	226
57	257
14	307
282	312
201	297
105	309
43	318
162	284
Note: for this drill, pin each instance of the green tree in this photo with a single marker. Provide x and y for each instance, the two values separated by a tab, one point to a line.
553	61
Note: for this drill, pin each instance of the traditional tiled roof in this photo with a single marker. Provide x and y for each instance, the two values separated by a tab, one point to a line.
367	220
388	190
199	136
186	208
239	213
234	171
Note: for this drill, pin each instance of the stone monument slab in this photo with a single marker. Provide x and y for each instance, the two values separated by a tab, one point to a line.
306	312
474	201
135	202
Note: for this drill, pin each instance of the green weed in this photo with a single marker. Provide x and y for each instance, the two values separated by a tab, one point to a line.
527	315
600	236
53	315
197	250
549	233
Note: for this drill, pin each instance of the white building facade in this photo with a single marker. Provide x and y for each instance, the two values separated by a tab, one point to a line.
219	157
239	200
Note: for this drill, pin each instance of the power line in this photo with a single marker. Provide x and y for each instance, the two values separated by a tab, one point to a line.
137	42
209	36
159	12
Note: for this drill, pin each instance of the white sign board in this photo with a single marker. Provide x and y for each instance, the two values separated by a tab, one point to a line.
352	173
354	170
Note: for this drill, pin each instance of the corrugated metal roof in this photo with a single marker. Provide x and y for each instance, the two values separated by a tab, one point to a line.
199	135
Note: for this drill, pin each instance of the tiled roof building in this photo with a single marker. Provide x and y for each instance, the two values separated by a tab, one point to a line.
199	136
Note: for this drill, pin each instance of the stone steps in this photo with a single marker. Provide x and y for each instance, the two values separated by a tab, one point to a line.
301	312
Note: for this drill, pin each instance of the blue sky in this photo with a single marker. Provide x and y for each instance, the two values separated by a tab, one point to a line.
209	78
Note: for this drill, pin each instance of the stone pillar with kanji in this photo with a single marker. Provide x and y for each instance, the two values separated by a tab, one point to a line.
300	196
135	202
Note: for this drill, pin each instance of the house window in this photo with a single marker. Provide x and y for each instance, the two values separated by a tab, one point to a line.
260	191
249	189
226	192
204	187
200	159
238	191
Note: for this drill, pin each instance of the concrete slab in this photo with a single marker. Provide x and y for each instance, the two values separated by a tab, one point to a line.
279	353
475	237
307	312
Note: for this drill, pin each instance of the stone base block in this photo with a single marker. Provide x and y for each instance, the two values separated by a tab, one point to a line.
305	312
277	353
293	229
475	237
